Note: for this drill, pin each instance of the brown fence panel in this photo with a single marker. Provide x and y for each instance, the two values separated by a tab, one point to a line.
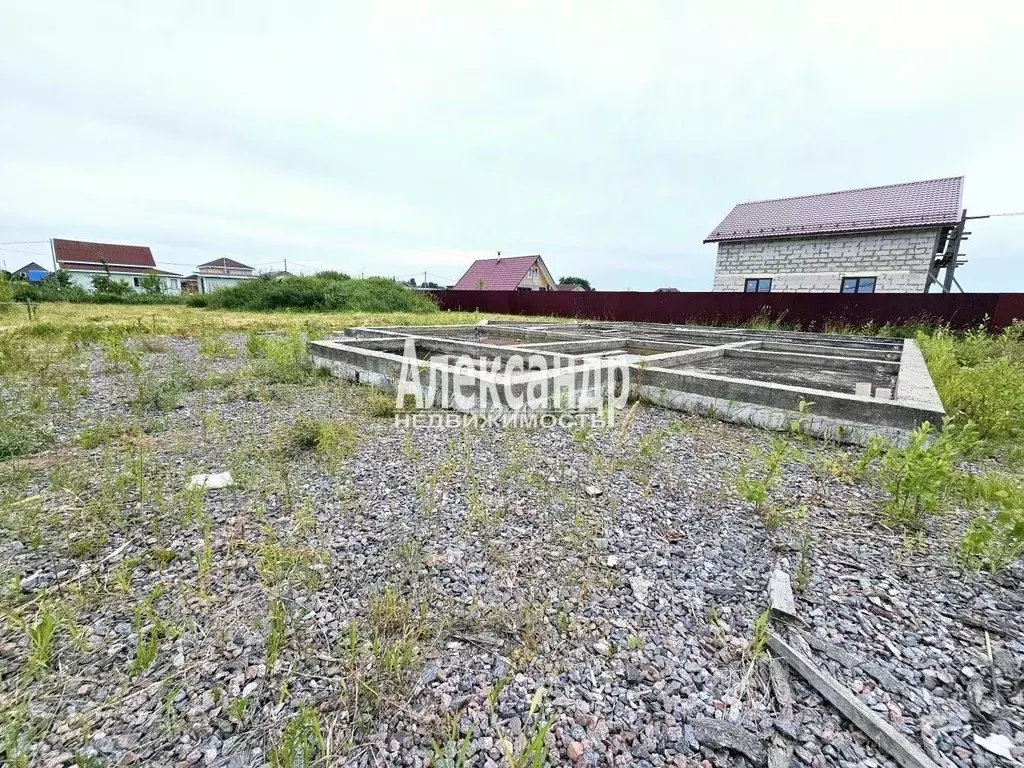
810	311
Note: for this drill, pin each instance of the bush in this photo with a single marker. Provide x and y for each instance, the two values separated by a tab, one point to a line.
921	476
326	292
996	537
980	377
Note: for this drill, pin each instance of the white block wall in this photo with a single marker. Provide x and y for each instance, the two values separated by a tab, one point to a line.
899	260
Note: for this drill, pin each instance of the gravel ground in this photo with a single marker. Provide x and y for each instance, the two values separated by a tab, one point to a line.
430	596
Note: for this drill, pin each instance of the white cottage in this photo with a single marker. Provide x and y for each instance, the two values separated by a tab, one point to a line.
128	263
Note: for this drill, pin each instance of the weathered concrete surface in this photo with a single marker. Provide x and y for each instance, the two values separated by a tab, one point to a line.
859	387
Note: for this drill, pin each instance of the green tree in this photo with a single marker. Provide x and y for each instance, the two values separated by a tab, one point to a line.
151	284
110	287
580	281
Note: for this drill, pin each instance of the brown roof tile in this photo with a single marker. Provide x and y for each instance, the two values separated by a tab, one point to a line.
503	274
933	203
96	254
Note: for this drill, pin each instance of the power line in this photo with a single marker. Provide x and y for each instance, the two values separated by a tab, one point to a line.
27	253
994	215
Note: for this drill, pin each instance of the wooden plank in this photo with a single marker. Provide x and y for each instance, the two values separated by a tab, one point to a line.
902	750
780	595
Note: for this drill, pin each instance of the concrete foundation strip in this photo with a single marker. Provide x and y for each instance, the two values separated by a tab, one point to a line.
898	746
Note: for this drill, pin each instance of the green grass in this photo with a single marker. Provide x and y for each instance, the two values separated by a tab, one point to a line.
980	377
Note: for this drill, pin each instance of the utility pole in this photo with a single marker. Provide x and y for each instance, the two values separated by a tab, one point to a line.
285	263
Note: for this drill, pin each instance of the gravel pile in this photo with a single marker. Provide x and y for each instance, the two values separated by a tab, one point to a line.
434	596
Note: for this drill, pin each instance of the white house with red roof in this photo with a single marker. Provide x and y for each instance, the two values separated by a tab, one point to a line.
128	263
887	239
518	273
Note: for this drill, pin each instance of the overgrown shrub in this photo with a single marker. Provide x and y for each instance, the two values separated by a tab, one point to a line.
922	475
980	377
322	293
279	360
996	536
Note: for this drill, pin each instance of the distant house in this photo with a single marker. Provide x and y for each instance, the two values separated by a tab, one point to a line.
894	238
31	272
569	287
128	263
518	273
221	273
280	274
666	290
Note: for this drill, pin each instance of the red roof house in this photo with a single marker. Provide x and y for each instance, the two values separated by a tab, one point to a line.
891	238
128	263
518	273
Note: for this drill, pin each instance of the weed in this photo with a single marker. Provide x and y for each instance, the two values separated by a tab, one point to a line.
996	536
275	631
237	709
380	404
920	475
215	346
534	753
390	613
980	378
280	361
756	480
453	753
331	440
105	432
149	630
22	431
634	642
302	741
40	638
759	636
90	543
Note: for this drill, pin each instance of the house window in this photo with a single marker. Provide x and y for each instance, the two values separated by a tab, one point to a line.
758	285
858	285
137	282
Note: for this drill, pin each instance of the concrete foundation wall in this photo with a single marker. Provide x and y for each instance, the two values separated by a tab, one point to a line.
898	260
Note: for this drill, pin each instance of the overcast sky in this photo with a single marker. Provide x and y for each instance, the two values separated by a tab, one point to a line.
393	138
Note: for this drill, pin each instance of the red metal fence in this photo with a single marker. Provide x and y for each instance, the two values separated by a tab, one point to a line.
810	311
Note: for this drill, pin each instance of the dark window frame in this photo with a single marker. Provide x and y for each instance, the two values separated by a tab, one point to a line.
757	281
856	281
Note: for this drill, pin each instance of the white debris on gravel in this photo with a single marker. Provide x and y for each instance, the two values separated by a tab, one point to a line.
211	482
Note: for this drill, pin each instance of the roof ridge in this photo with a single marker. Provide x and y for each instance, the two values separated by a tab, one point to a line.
848	191
94	242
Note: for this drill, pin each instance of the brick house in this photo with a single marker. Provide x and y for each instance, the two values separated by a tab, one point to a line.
518	273
876	240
